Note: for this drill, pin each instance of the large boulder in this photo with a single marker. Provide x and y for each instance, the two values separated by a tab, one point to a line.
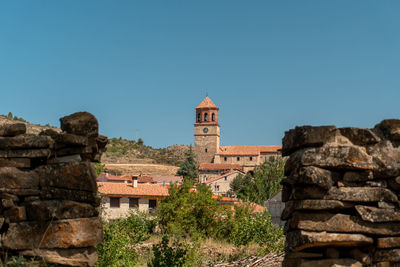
80	123
12	129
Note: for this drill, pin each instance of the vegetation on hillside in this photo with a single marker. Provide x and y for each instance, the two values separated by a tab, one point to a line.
263	183
119	147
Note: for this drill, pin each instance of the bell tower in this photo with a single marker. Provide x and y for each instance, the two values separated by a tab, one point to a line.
206	131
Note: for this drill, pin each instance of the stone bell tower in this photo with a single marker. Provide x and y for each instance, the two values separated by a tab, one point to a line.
206	131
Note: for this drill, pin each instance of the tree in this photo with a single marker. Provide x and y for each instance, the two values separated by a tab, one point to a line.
140	142
10	115
188	168
261	185
189	212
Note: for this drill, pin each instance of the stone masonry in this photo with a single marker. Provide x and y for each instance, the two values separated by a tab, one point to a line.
48	191
341	196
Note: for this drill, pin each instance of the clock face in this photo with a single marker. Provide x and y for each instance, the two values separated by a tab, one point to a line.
205	130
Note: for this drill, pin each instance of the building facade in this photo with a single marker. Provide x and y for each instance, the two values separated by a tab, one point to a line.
207	143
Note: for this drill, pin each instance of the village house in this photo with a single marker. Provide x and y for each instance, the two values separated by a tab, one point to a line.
220	185
141	179
208	171
209	151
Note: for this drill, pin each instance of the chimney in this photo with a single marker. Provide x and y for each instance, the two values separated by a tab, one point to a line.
134	181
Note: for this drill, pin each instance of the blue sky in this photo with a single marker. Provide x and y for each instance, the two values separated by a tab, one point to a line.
142	66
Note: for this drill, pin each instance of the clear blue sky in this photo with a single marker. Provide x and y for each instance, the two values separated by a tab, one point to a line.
144	65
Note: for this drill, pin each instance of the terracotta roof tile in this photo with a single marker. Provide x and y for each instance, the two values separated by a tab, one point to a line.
247	150
219	166
206	103
122	189
167	178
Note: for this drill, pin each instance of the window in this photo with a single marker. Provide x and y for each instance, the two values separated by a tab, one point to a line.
251	158
133	203
238	158
152	205
198	117
213	117
114	202
225	158
205	117
205	150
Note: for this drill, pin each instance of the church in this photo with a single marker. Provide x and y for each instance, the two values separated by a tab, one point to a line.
215	160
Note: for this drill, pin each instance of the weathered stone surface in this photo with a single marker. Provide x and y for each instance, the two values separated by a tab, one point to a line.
331	157
361	194
386	205
373	214
331	263
340	223
80	123
66	139
306	136
362	257
65	159
386	159
12	129
332	253
300	240
388	242
359	136
15	214
25	141
13	178
48	193
299	255
394	183
390	129
74	175
74	233
308	192
377	183
67	257
59	209
313	176
358	176
7	203
391	255
25	153
20	192
15	162
312	204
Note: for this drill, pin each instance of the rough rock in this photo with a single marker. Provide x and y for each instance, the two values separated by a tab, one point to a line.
308	192
359	136
362	257
13	178
388	242
394	183
358	176
47	193
25	141
361	194
16	214
392	255
306	136
62	209
66	257
71	233
73	175
340	223
12	129
331	263
25	153
373	214
386	159
390	129
15	162
313	204
300	240
331	157
80	123
313	176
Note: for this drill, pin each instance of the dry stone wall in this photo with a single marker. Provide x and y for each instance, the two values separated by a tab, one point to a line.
341	196
48	191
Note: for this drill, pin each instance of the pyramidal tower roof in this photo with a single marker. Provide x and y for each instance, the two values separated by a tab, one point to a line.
206	103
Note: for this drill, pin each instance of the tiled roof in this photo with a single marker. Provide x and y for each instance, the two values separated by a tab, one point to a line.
247	150
219	166
122	189
167	178
103	177
206	103
145	179
222	176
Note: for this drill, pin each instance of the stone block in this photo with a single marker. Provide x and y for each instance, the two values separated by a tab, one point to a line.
359	136
373	214
388	242
391	255
48	193
12	129
13	178
16	214
313	176
15	162
25	142
26	153
80	123
313	204
361	194
73	233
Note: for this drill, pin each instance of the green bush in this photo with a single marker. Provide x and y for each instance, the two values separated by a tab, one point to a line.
166	256
119	237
